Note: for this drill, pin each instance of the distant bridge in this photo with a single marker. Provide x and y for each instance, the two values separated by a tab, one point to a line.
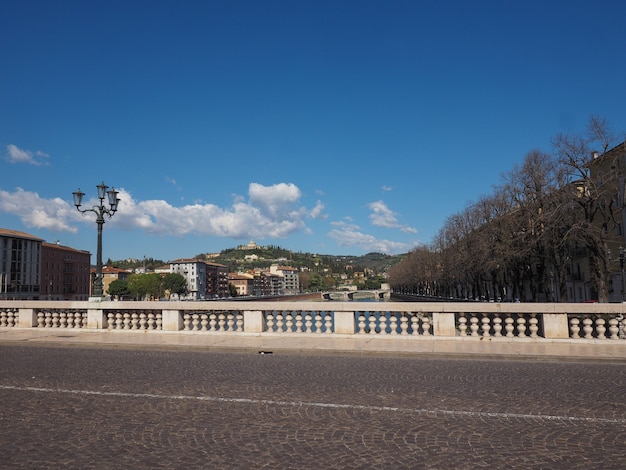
378	294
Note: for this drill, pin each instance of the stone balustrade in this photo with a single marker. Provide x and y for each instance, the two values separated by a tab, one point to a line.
500	323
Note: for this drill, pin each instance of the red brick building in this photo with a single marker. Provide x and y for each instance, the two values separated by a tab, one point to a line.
64	273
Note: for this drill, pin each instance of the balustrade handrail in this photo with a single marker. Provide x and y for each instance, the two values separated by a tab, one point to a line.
421	319
443	307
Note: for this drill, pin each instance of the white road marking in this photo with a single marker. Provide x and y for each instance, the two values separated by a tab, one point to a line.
252	401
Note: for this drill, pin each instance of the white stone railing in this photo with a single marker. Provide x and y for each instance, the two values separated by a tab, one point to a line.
381	319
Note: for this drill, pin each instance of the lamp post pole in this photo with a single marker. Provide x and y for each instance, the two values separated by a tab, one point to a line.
621	264
100	210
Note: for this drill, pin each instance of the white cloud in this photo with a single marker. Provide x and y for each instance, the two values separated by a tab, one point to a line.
270	212
317	211
382	216
52	214
17	155
346	235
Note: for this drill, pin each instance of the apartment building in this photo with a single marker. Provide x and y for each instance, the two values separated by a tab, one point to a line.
217	280
606	170
20	265
204	280
290	278
64	273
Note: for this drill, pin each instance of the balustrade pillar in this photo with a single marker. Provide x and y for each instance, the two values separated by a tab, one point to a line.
345	323
27	318
555	326
172	320
443	324
253	321
96	319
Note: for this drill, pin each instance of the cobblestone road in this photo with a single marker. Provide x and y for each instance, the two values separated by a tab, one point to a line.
92	407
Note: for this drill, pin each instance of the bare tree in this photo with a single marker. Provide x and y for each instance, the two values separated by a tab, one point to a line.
594	207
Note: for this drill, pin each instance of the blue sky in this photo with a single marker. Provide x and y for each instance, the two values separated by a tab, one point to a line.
332	127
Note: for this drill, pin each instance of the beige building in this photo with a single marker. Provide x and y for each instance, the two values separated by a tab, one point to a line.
110	274
244	283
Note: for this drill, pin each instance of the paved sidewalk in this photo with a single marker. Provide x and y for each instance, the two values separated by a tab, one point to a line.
504	348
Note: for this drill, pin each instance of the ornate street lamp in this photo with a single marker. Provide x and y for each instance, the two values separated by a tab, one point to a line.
100	210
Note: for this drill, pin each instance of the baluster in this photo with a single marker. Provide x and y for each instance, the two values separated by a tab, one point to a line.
485	325
318	323
48	319
159	321
110	320
62	320
393	323
426	325
134	321
299	322
600	328
587	328
4	316
372	322
127	321
151	321
308	322
521	327
474	325
329	322
509	326
613	328
143	321
230	321
415	325
221	321
40	320
72	320
239	322
55	319
289	321
12	319
361	323
574	328
383	321
212	321
204	321
404	325
533	327
195	321
269	321
186	321
462	325
279	322
497	325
